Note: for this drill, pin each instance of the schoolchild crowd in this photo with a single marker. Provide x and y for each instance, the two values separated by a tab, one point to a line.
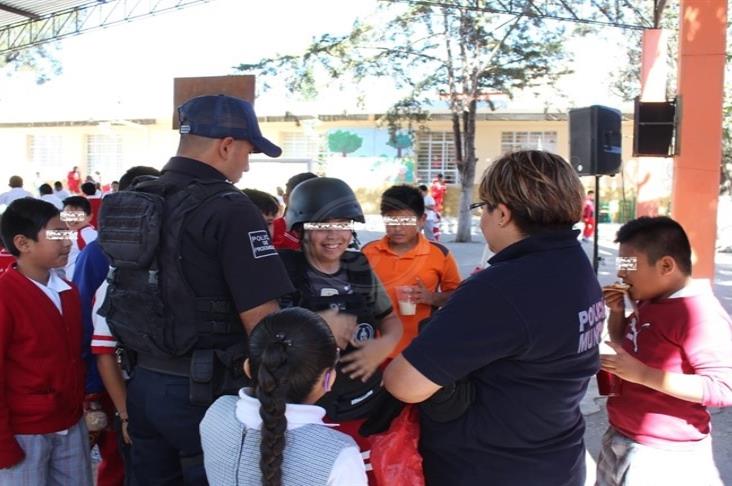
345	339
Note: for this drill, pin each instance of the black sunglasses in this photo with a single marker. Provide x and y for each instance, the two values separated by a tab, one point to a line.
477	205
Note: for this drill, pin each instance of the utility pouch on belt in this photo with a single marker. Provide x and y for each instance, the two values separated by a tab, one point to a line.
126	358
202	377
231	362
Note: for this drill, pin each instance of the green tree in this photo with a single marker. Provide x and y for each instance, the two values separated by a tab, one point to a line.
344	142
448	53
625	82
399	141
39	60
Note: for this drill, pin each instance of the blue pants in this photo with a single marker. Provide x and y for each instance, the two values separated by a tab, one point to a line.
163	426
52	459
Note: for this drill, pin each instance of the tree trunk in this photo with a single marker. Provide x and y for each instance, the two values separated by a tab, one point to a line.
467	175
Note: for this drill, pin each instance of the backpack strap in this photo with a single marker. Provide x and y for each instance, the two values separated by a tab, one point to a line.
359	273
296	266
210	189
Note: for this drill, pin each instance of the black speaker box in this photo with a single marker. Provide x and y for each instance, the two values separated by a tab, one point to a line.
654	128
595	140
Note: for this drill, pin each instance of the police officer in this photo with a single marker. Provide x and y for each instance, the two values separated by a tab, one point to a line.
217	274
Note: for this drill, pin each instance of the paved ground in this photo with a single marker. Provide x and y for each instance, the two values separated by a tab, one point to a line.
468	256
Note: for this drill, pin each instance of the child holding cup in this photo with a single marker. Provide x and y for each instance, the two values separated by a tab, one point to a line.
418	274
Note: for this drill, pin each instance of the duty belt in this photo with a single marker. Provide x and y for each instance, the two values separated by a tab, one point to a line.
169	366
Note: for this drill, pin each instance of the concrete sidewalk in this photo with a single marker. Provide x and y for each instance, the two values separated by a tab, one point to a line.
468	256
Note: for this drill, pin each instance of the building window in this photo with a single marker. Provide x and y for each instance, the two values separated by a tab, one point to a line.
296	145
513	141
45	152
436	155
104	157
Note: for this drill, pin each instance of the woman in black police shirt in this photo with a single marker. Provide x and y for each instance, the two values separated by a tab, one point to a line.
520	332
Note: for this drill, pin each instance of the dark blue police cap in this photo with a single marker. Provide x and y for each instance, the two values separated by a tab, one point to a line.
221	116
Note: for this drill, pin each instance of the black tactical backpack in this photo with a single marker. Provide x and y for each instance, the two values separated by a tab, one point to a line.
150	307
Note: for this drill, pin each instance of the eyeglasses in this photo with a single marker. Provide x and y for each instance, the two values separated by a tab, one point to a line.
481	205
477	205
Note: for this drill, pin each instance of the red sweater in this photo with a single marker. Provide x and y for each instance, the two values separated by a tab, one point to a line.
6	259
283	239
96	206
41	370
691	334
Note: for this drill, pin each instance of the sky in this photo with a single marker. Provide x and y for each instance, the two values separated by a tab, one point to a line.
127	71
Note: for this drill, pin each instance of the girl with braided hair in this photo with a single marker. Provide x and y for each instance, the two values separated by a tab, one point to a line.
272	434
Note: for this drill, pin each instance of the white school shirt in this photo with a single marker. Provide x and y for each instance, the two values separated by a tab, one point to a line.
348	467
430	201
88	234
15	193
53	289
103	342
50	198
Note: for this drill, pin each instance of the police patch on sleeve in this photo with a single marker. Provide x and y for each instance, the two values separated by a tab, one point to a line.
261	244
363	332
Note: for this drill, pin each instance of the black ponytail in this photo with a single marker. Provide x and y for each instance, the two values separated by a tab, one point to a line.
272	394
288	351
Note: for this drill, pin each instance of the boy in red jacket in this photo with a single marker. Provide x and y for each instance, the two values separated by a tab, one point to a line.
43	439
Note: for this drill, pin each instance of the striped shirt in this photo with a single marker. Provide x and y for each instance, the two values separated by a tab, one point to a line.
103	342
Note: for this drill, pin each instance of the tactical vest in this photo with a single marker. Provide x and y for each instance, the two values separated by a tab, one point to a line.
349	399
150	307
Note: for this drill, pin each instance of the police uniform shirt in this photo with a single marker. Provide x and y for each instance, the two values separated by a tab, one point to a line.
226	249
522	331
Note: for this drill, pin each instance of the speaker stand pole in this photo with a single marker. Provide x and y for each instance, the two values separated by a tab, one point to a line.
595	258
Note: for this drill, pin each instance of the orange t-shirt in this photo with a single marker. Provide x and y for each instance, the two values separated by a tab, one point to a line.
429	261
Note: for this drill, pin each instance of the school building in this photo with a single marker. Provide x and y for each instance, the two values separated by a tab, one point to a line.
355	148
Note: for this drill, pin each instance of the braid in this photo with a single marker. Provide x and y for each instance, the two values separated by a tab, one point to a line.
272	385
289	351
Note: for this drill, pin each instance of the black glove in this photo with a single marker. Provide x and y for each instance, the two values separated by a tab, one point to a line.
450	402
381	415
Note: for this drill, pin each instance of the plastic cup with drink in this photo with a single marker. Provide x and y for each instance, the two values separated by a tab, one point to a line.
406	296
608	384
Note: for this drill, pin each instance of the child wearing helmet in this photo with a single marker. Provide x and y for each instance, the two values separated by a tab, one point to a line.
338	282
